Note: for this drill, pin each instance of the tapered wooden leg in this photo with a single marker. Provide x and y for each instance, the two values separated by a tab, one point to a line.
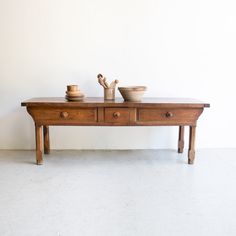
46	139
39	142
181	139
191	151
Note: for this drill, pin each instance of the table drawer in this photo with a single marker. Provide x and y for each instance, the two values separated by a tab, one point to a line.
64	115
169	116
119	115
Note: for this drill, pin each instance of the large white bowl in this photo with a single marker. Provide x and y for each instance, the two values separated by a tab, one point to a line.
132	93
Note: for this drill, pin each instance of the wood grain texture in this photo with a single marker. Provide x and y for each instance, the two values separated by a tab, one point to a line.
119	115
39	144
119	102
46	140
62	116
98	112
181	139
191	150
169	116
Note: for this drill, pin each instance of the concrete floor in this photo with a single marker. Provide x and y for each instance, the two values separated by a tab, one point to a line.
118	193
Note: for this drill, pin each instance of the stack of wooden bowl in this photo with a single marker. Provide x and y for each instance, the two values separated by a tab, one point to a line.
73	93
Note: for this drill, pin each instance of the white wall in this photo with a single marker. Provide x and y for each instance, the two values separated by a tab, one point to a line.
177	48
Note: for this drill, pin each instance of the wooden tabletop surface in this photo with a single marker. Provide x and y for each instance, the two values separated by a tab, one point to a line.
118	102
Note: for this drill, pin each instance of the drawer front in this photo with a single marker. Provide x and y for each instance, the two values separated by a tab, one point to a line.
64	116
119	115
169	116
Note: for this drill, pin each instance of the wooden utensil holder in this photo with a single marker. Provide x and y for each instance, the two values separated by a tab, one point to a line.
109	93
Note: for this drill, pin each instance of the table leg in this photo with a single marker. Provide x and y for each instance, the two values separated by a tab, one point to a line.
181	139
191	151
46	139
38	138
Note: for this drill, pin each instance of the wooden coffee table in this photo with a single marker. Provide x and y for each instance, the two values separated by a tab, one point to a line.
97	112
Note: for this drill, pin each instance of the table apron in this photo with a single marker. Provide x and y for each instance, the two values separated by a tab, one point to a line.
94	116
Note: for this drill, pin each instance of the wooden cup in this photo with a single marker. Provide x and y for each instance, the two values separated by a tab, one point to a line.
109	93
72	88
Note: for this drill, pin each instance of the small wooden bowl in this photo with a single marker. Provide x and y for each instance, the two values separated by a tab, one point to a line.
75	95
72	88
73	92
132	93
81	98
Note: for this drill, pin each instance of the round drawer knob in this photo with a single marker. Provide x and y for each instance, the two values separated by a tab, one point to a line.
116	114
64	114
169	114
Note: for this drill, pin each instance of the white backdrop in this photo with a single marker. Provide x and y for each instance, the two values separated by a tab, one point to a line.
176	48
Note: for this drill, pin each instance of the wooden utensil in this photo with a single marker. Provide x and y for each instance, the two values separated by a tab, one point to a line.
114	83
100	76
102	81
105	82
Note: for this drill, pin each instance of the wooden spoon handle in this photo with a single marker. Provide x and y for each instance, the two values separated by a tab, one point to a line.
101	82
113	83
105	82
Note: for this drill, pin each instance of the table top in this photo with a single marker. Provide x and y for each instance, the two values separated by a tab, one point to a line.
118	102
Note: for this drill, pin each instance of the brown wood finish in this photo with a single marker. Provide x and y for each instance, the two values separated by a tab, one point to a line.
119	115
169	116
39	144
181	139
97	112
191	150
63	116
100	102
100	114
46	140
